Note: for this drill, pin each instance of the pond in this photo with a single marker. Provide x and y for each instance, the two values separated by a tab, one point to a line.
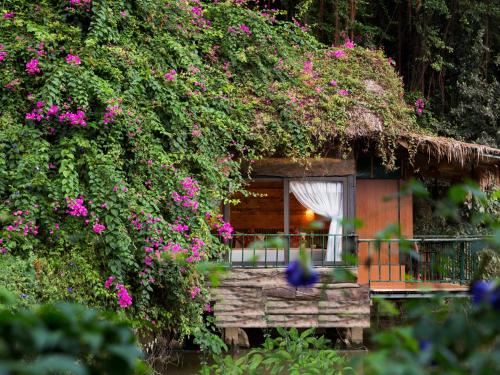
188	362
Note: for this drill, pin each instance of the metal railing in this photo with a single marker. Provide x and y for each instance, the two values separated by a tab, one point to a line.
416	260
421	260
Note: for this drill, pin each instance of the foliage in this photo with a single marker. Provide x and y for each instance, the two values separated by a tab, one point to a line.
446	51
291	353
439	338
124	124
65	338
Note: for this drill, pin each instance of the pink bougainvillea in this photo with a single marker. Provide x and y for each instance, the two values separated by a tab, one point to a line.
308	67
73	59
76	207
32	67
343	92
98	228
349	44
3	54
74	118
195	291
245	29
109	282
170	76
124	298
419	106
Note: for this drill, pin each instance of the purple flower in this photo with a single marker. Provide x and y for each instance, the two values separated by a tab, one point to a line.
300	276
70	290
8	15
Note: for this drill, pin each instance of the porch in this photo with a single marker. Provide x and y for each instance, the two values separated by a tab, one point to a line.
436	262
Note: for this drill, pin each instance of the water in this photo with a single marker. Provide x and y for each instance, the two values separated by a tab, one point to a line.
188	362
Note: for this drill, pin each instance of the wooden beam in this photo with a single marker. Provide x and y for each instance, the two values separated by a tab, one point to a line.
283	167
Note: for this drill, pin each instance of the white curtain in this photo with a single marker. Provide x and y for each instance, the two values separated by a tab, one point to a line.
324	198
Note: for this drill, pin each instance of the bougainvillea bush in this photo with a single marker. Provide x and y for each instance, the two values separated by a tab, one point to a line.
122	128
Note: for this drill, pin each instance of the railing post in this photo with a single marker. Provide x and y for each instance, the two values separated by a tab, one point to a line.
461	254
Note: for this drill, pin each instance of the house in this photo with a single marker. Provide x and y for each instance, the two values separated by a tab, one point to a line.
307	204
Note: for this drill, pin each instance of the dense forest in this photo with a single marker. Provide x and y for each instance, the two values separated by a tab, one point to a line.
446	51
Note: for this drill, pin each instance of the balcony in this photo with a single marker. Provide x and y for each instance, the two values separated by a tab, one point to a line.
396	263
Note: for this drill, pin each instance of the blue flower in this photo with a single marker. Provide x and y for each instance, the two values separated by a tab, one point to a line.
298	275
70	290
485	292
23	296
480	291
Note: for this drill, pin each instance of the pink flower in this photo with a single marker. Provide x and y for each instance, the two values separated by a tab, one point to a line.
170	76
195	291
77	118
245	29
124	298
76	207
339	54
98	228
8	15
73	59
109	281
349	44
333	82
52	111
3	54
419	106
123	13
32	67
196	10
207	308
148	261
308	67
343	92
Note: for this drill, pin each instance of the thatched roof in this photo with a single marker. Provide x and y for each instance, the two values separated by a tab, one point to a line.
365	125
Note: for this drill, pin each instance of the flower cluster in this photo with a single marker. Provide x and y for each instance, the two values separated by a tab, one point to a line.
3	249
243	28
37	112
109	282
224	229
308	68
76	207
98	228
74	118
111	111
190	188
124	298
419	106
194	292
486	292
349	44
300	275
32	67
73	59
20	224
170	76
338	53
3	54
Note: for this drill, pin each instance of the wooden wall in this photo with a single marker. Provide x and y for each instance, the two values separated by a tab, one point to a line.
259	298
261	212
378	204
265	212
